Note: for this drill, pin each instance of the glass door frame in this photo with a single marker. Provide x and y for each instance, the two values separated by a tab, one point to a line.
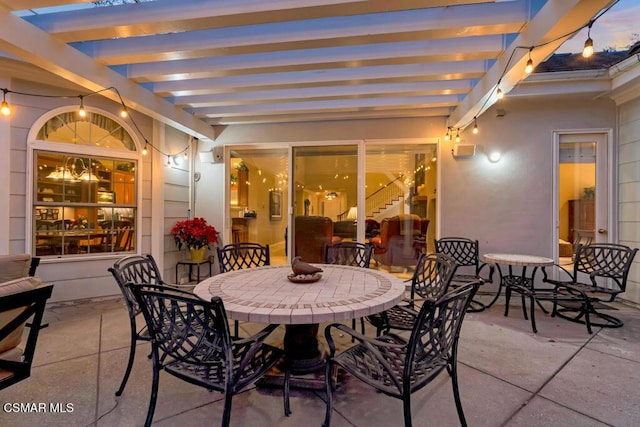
606	229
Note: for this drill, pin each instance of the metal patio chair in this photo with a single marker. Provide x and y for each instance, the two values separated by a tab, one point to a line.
399	367
190	340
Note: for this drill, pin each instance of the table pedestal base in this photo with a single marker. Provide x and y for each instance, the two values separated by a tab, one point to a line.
302	350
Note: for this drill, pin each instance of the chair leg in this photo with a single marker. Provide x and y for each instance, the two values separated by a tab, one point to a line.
406	407
287	384
154	387
132	354
533	316
456	393
236	328
329	387
507	297
226	415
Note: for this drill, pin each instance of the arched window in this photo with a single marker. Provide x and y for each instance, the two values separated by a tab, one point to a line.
84	198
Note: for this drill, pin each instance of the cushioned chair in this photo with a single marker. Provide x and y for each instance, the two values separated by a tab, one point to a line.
21	299
599	274
398	367
401	240
466	254
312	233
134	269
430	281
191	341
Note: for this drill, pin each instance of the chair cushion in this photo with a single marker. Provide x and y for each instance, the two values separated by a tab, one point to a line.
12	287
14	266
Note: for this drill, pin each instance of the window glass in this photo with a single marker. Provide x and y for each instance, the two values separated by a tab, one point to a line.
83	204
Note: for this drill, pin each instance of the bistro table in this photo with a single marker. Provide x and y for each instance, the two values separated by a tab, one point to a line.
265	295
520	283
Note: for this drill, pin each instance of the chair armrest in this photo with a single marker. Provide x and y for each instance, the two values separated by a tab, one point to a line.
257	337
371	343
492	269
545	278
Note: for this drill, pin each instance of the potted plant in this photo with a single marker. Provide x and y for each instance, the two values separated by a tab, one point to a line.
196	235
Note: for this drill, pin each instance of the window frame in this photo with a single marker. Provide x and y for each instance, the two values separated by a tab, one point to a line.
34	145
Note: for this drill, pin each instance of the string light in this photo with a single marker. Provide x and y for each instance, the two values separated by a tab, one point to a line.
475	126
529	68
82	112
4	108
458	135
447	137
588	44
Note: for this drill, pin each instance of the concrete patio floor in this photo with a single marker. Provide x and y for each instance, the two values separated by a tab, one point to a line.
508	376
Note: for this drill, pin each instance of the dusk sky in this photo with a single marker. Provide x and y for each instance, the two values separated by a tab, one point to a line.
615	29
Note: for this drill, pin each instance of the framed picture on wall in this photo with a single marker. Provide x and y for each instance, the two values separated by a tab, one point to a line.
275	205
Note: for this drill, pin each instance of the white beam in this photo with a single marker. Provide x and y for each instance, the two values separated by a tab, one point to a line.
548	29
35	46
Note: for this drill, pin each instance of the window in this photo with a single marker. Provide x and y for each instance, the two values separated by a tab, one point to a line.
83	203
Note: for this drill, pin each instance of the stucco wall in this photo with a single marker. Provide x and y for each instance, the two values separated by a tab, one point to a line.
507	205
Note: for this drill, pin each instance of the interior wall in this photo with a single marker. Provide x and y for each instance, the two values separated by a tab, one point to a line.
583	175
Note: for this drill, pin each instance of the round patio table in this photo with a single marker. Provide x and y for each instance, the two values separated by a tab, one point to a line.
265	295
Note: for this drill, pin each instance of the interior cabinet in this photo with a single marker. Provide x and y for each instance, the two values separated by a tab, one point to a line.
243	187
582	216
124	187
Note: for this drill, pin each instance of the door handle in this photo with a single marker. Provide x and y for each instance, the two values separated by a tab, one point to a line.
602	231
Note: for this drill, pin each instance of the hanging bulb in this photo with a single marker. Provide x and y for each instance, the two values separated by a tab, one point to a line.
458	135
123	112
447	137
4	108
529	68
185	155
169	161
500	94
475	126
82	112
588	48
588	45
144	149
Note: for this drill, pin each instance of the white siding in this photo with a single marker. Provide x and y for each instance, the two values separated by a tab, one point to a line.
629	188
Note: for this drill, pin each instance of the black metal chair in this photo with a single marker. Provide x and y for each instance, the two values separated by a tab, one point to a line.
599	274
349	253
191	341
15	310
238	256
399	367
430	281
466	253
134	269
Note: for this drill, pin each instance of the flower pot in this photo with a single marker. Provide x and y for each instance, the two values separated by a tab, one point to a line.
196	254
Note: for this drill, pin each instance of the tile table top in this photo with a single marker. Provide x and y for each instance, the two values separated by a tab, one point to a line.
517	259
265	295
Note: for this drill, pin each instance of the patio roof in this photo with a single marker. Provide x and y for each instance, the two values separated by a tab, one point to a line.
194	64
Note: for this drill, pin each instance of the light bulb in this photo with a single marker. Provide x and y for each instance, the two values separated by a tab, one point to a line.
529	68
500	93
458	136
144	150
82	112
4	109
588	48
123	113
475	128
447	137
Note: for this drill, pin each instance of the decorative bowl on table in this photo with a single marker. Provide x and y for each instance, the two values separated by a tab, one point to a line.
304	278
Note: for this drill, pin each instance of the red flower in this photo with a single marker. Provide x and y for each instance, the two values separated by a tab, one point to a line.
194	233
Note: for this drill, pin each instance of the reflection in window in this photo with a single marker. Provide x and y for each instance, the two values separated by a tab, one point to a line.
83	204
